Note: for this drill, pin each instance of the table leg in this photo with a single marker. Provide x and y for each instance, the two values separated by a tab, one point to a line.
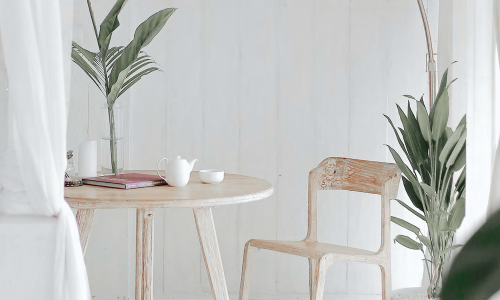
210	247
85	219
144	254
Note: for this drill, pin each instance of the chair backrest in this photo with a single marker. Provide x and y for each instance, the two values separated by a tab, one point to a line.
337	173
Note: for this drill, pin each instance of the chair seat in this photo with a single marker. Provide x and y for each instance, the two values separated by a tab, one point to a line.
313	249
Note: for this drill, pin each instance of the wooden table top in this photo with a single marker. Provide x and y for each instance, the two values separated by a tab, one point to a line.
232	190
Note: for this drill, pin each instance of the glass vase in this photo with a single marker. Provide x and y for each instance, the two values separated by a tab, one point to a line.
112	140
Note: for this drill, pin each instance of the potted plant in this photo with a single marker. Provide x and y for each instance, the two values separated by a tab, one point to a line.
115	69
435	153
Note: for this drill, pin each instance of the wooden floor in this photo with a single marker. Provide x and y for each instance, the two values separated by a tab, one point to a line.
280	297
288	297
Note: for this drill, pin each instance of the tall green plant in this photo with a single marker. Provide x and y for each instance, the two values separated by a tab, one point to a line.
434	152
114	70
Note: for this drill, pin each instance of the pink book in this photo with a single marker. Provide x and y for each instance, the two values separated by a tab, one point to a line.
125	181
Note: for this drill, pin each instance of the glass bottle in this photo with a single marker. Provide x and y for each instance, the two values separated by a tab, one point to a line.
70	168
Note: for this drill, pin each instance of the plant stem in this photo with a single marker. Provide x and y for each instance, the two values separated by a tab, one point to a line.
426	264
93	20
432	290
106	82
103	55
112	140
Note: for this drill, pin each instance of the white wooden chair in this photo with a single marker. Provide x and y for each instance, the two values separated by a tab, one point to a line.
336	173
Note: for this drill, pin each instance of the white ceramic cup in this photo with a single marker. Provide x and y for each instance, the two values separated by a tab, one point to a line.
211	176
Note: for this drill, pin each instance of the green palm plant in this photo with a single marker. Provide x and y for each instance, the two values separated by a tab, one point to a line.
114	70
434	152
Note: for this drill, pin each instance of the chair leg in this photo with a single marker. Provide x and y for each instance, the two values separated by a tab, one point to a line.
317	274
386	281
246	270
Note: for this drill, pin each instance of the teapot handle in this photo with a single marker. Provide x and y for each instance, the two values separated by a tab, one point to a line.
158	168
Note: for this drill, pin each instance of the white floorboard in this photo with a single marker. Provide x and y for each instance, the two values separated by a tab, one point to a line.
274	297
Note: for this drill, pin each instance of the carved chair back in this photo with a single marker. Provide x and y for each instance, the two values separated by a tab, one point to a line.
337	173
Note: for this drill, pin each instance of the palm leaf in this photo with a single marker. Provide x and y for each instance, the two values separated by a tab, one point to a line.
428	190
463	121
449	249
142	58
406	225
112	52
412	194
402	166
448	132
115	88
425	240
91	59
442	87
111	60
416	213
423	122
460	161
460	184
108	25
136	78
140	63
440	117
144	34
401	144
457	150
97	63
88	55
447	87
411	136
457	214
421	146
408	242
450	145
88	67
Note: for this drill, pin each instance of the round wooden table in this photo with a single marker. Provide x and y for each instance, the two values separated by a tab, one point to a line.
200	197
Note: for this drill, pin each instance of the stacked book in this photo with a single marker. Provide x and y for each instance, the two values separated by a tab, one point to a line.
125	181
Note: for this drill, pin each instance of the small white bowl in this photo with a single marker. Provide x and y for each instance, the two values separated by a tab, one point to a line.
211	176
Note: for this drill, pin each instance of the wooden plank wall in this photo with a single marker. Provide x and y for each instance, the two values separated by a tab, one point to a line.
262	88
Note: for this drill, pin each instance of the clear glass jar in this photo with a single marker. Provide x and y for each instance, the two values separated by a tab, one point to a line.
70	167
112	145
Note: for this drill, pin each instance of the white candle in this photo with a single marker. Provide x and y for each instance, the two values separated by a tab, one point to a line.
87	159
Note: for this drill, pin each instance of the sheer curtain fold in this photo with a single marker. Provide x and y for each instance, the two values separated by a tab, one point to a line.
494	203
468	31
32	167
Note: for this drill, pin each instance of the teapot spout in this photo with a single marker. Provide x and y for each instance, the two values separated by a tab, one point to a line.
191	164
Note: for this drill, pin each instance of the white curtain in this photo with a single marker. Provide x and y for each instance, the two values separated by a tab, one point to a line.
494	203
467	31
36	53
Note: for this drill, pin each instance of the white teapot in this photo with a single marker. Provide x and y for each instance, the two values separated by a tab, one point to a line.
177	171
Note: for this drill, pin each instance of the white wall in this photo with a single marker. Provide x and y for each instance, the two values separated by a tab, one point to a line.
267	89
